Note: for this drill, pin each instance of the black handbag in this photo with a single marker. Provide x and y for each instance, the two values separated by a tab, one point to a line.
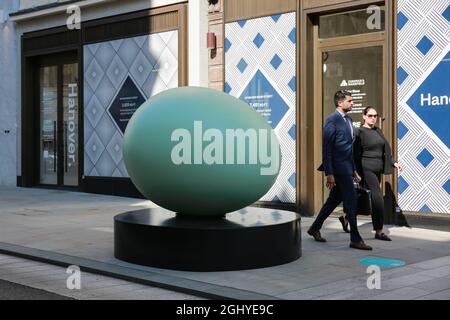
364	198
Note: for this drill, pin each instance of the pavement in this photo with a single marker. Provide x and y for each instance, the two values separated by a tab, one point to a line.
69	228
14	291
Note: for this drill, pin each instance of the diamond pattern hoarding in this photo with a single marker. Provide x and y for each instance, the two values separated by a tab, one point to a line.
120	75
260	69
423	69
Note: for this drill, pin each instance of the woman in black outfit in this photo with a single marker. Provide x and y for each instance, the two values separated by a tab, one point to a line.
372	159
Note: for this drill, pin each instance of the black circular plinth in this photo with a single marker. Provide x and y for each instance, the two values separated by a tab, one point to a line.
246	239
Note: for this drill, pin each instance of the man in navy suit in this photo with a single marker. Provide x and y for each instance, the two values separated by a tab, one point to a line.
339	167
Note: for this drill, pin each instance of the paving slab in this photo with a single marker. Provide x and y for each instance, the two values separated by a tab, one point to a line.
441	295
405	293
435	285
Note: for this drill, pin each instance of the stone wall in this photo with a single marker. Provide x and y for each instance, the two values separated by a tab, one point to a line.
216	56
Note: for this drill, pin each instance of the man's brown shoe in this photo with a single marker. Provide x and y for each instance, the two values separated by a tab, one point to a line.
316	235
360	245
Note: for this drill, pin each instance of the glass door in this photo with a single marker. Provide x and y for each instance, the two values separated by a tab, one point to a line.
357	70
349	53
58	96
48	100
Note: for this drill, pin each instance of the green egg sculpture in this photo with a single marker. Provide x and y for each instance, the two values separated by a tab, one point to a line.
200	152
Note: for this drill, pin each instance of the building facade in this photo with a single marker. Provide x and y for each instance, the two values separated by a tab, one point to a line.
68	93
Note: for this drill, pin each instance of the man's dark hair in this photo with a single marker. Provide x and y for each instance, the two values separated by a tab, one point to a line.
340	96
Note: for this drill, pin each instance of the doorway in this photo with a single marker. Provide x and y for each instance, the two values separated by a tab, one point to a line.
348	56
58	120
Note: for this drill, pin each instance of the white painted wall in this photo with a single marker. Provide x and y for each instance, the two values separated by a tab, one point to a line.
198	53
27	4
9	95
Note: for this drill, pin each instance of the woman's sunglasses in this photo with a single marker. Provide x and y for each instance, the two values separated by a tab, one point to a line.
372	116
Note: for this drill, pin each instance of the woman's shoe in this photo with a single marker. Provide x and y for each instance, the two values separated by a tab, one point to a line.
382	236
344	224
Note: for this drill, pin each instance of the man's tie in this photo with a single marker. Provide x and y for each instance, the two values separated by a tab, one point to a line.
349	122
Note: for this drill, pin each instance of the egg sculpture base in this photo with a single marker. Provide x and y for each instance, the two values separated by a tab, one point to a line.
249	238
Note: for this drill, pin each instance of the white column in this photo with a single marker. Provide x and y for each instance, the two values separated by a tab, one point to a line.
9	95
197	51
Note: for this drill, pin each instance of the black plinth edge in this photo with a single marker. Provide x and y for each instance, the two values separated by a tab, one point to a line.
246	239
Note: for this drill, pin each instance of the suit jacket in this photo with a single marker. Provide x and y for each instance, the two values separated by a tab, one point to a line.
337	146
387	155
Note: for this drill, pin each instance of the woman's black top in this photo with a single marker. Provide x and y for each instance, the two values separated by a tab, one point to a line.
371	143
